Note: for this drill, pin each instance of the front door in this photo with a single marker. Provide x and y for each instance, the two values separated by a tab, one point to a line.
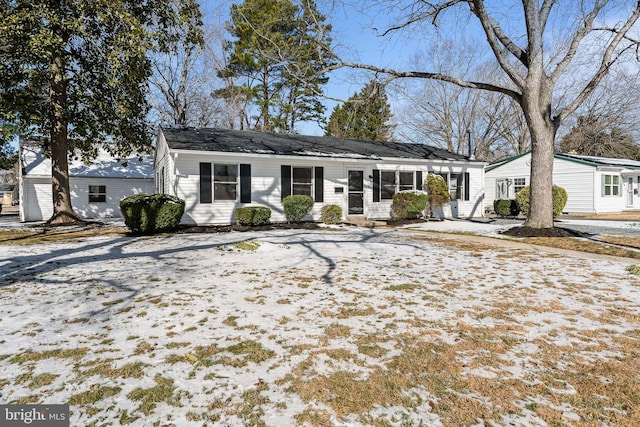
630	192
356	193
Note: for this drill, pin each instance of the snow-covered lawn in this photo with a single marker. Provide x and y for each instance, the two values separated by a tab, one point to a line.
329	328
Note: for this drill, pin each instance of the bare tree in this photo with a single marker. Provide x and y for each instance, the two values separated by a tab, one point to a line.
534	54
185	81
449	116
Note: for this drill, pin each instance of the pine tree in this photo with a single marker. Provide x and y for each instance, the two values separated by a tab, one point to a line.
278	53
365	115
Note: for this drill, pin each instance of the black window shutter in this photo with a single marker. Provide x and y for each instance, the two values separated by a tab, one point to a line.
466	186
418	180
205	183
376	185
285	173
245	183
318	180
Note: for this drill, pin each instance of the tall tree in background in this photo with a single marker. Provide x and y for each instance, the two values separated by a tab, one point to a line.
449	116
365	115
591	137
184	81
77	72
534	54
275	60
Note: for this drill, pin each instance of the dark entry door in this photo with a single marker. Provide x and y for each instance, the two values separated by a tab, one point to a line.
356	192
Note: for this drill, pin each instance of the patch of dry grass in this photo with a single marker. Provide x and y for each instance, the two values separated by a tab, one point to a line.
574	244
55	234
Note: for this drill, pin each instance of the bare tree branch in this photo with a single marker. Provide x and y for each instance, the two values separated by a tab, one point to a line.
582	32
435	76
488	25
605	64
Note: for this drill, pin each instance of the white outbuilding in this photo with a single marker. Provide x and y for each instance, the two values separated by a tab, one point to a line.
96	187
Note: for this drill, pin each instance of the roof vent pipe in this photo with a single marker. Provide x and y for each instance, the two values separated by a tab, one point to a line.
472	150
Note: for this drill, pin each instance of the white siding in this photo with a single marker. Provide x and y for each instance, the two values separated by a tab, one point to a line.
607	204
164	168
37	202
266	184
116	190
577	179
517	168
581	180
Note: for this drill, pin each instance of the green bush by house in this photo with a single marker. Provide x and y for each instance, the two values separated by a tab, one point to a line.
504	207
331	214
558	194
151	213
253	215
408	205
437	193
297	206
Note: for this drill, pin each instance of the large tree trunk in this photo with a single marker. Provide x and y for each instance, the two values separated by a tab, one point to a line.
536	105
62	210
541	202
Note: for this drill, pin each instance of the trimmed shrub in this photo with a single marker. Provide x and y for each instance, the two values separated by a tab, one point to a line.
331	214
253	215
558	194
297	206
506	207
151	213
408	205
437	192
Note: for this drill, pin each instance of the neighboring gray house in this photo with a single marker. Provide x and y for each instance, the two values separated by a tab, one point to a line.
215	171
593	184
96	188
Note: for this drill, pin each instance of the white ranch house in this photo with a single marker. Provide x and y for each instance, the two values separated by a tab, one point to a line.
216	171
96	187
594	184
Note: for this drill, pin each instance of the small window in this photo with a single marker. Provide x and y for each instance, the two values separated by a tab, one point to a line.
225	182
611	185
519	184
97	194
406	181
387	184
303	181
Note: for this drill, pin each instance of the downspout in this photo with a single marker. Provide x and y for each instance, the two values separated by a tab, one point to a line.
595	189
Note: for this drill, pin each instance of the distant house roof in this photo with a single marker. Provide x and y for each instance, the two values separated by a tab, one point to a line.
602	161
588	160
35	162
237	141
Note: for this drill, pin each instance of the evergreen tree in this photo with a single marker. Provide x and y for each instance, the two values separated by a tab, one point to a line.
365	115
278	53
76	71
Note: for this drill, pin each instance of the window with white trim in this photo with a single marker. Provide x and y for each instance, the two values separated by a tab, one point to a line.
611	185
97	194
407	181
225	182
519	184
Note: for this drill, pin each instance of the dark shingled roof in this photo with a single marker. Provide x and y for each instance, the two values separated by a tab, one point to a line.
237	141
